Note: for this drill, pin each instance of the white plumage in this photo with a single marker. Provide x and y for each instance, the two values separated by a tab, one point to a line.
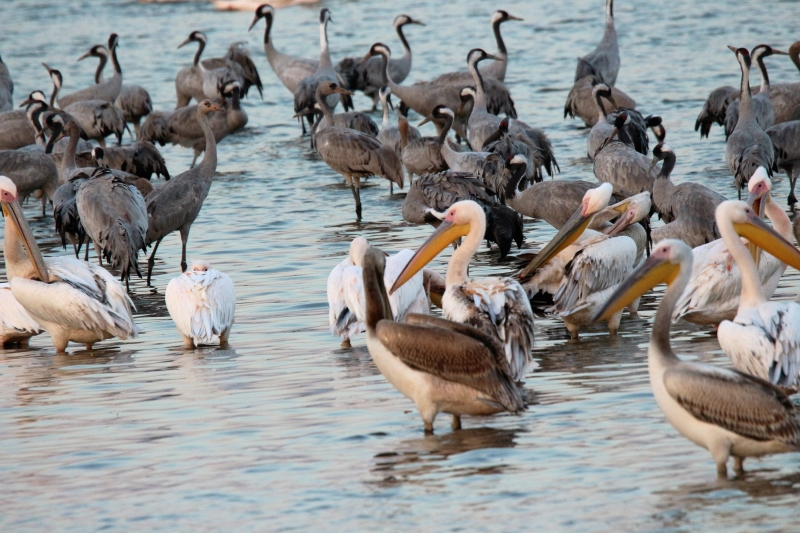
16	325
202	303
346	300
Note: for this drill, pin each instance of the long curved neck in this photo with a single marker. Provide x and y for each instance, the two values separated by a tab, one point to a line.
402	37
268	29
599	99
385	106
210	155
98	74
501	46
480	94
51	142
780	220
745	108
762	70
54	95
659	337
327	110
751	284
68	163
387	79
448	123
324	54
458	268
667	166
115	62
200	47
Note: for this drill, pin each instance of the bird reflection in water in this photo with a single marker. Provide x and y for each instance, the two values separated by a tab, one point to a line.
426	456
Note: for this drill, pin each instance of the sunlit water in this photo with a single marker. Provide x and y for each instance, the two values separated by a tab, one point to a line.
286	431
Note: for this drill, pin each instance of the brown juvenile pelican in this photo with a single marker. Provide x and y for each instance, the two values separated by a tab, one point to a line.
442	366
760	102
368	77
687	209
725	411
602	63
356	155
496	306
114	216
622	166
73	300
175	206
748	147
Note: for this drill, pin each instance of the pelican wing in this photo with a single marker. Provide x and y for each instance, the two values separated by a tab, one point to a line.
14	317
451	356
765	342
202	304
337	302
742	404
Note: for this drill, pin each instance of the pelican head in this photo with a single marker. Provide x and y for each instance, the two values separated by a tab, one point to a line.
264	11
458	221
631	210
12	212
200	265
402	20
500	16
439	112
207	106
665	263
759	188
593	201
747	224
195	36
357	250
377	49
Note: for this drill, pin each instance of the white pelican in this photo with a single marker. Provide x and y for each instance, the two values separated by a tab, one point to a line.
16	325
763	339
725	411
346	304
72	300
496	306
202	302
712	295
442	366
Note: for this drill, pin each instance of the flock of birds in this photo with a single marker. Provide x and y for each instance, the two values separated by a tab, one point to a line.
720	260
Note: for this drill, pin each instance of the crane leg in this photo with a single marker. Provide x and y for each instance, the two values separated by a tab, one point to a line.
357	196
792	182
86	252
152	261
184	240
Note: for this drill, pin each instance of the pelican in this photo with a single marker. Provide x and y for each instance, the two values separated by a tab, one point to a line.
686	209
497	306
347	309
712	295
16	325
725	411
72	300
442	366
748	147
202	302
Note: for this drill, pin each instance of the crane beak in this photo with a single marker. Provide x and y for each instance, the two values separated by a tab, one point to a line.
733	49
424	121
412	21
512	17
608	140
255	21
655	270
490	56
757	231
568	234
779	52
342	90
445	234
184	43
365	59
25	102
45	65
84	56
652	165
13	213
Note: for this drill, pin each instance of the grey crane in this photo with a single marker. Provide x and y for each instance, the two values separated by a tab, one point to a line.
65	214
175	206
617	163
636	128
716	108
748	147
107	91
6	88
687	209
305	93
352	119
290	70
368	77
114	216
581	104
506	145
424	155
785	139
432	194
204	79
142	185
602	63
760	102
389	134
30	170
181	126
141	159
496	69
16	129
356	155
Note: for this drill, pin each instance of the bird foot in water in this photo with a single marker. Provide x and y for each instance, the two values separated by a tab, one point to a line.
183	266
792	200
456	424
346	344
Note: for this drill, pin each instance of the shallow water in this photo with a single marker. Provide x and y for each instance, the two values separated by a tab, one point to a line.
286	431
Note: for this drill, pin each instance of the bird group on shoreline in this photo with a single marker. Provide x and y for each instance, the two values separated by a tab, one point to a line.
720	260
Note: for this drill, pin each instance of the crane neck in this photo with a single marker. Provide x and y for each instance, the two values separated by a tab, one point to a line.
603	114
68	164
209	163
745	108
51	142
98	74
660	345
762	70
236	104
54	95
387	79
324	54
479	103
268	29
402	37
115	62
322	101
501	45
458	268
448	123
752	293
385	106
667	166
201	45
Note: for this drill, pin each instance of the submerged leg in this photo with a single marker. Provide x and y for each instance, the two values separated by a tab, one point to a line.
792	182
456	422
152	261
184	240
738	465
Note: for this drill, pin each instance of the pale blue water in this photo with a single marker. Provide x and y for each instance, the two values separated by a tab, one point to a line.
286	431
